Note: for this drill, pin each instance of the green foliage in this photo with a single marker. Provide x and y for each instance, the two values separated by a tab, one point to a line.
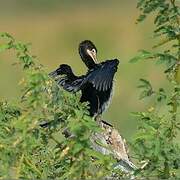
31	151
156	141
146	87
141	56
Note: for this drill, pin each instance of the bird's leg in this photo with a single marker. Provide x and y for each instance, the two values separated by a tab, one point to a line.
106	123
102	122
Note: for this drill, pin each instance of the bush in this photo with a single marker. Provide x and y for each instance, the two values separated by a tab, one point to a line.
31	142
156	141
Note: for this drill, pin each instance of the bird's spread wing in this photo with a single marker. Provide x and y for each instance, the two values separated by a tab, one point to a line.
70	85
102	76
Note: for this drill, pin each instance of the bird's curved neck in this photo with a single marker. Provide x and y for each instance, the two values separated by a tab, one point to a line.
89	62
87	59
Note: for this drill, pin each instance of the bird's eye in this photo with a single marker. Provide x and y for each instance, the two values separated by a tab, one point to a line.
93	50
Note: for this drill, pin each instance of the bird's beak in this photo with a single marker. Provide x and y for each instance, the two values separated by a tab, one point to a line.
92	53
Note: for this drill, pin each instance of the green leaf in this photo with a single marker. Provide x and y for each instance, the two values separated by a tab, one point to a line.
142	55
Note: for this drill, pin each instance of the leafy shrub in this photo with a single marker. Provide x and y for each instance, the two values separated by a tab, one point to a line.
156	141
31	142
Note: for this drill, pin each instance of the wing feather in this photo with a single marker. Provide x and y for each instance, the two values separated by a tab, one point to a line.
102	76
68	85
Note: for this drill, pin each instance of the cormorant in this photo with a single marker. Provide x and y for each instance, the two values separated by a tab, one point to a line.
96	85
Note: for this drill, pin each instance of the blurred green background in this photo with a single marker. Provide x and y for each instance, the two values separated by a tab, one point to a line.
55	29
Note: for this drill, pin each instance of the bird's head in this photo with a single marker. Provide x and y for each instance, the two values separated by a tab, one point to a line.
63	69
88	53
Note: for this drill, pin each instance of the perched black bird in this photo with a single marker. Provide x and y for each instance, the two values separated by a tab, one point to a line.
96	85
97	88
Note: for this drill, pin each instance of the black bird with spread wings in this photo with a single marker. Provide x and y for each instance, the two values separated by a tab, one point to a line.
96	85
